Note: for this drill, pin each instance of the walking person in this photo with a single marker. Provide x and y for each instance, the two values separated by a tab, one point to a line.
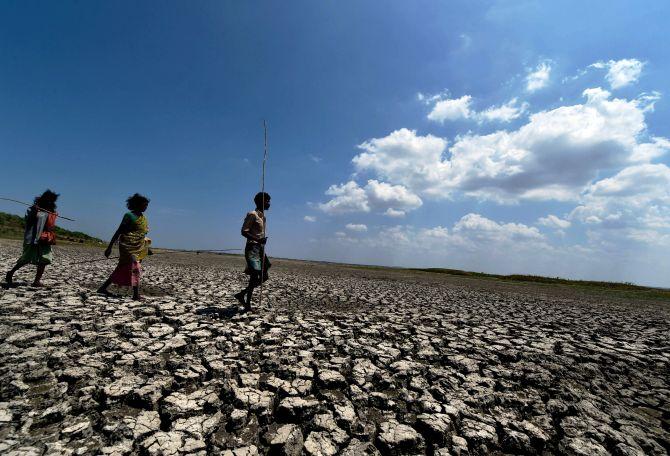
38	237
253	229
133	247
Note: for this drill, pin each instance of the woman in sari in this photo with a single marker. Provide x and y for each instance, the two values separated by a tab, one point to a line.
133	247
38	237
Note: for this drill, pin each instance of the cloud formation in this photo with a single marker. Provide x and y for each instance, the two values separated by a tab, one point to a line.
402	157
539	78
477	228
504	113
451	109
552	221
359	227
621	73
554	156
633	204
375	196
394	213
438	233
460	109
595	156
472	232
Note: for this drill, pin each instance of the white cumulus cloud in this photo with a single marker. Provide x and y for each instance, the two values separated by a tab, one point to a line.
621	73
383	196
451	109
477	227
552	221
460	108
438	232
309	218
646	152
647	179
632	204
473	233
503	113
554	156
359	227
403	157
348	197
538	78
375	196
394	213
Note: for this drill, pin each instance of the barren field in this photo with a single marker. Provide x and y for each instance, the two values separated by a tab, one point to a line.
338	360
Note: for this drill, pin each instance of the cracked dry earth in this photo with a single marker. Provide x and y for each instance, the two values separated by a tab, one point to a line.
337	360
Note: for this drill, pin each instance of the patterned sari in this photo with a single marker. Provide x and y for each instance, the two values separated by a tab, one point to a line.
133	247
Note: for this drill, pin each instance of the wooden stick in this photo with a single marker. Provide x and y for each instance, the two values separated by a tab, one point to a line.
265	157
38	208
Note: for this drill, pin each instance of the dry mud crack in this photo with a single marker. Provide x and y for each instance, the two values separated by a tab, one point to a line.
337	361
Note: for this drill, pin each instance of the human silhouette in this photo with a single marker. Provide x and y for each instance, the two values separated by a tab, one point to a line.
133	246
253	229
38	237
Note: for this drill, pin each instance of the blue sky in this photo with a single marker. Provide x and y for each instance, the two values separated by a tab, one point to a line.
511	137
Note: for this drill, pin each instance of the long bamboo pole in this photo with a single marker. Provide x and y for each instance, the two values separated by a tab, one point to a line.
265	157
38	208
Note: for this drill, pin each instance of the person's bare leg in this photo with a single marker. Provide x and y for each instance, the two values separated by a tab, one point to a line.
38	275
250	292
242	294
9	277
247	303
104	286
253	283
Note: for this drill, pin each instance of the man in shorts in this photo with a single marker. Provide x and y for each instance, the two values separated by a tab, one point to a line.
253	229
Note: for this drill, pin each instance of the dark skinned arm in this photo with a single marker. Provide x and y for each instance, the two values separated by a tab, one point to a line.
123	228
108	250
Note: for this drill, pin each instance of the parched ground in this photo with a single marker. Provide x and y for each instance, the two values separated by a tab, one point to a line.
337	360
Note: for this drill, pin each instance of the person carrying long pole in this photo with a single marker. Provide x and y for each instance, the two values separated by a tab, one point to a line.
254	230
38	237
265	227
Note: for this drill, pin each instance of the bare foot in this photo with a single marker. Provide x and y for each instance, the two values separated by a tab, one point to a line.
240	297
138	298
